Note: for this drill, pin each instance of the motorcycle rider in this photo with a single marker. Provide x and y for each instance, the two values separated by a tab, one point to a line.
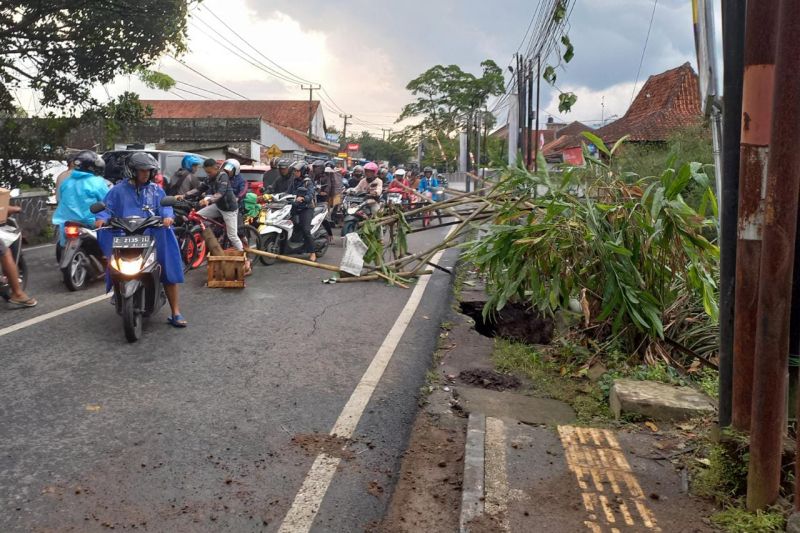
303	209
383	174
399	182
139	195
428	182
372	186
84	187
283	179
185	178
65	174
355	176
220	200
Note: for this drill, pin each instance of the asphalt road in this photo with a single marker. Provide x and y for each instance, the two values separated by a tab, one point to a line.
211	428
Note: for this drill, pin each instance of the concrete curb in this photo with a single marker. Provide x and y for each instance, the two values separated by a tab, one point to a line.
472	499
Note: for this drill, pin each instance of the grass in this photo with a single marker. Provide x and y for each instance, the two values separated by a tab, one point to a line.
725	477
552	381
738	520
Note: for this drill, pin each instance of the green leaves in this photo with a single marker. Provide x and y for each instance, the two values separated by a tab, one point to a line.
566	101
569	51
549	75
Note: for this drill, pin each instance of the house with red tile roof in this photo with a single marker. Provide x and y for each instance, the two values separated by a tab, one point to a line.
666	103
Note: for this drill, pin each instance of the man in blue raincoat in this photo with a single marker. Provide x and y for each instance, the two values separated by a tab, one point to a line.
138	196
82	188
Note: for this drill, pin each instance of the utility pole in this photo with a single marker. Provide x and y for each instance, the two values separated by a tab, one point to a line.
759	63
602	111
733	17
384	130
310	89
536	141
529	117
344	129
768	422
513	129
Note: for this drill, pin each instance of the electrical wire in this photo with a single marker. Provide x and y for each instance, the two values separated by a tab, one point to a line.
204	97
179	82
206	77
644	49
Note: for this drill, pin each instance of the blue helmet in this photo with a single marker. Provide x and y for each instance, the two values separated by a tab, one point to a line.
189	161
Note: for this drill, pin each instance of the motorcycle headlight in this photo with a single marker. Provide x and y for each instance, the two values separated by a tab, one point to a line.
131	267
352	210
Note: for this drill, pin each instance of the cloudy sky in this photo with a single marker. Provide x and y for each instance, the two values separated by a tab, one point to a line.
363	52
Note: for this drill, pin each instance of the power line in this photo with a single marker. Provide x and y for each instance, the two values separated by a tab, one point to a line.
298	79
200	88
644	49
178	95
206	77
204	97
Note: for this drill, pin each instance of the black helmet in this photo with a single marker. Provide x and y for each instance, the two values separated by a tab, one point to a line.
329	164
358	170
139	161
427	169
302	166
318	163
283	163
89	161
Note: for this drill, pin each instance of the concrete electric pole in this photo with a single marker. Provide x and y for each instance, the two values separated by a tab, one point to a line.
310	89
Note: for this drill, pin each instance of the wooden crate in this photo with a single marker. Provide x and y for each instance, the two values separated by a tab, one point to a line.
226	271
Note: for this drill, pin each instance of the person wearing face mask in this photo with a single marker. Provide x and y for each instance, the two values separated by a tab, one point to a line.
373	186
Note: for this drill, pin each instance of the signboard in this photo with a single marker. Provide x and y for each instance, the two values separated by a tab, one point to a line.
274	151
353	147
342	154
332	137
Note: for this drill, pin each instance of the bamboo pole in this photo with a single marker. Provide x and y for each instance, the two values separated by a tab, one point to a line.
295	260
375	277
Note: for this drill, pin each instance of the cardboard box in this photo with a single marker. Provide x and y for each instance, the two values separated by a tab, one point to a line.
5	199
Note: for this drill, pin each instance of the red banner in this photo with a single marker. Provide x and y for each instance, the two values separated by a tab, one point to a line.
353	147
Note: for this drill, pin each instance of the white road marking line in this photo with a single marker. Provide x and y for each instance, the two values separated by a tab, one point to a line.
52	314
306	504
32	248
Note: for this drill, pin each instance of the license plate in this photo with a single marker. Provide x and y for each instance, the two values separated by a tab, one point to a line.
132	241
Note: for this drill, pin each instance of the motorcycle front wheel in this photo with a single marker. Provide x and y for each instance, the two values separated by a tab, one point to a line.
250	240
76	274
349	227
269	243
131	319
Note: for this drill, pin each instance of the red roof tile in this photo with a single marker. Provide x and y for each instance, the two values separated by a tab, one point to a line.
567	137
289	113
667	101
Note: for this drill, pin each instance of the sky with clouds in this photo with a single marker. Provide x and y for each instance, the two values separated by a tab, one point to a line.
364	52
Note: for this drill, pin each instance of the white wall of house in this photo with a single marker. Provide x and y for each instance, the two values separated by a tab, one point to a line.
270	136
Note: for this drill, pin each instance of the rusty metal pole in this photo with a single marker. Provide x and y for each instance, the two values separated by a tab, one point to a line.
777	263
759	65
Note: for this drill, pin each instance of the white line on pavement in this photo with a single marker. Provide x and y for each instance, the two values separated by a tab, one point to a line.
32	248
52	314
304	509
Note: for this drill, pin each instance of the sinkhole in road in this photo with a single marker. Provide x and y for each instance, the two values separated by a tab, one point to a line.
515	321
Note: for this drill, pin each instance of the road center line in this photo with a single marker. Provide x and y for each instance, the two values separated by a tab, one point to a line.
52	314
32	248
309	498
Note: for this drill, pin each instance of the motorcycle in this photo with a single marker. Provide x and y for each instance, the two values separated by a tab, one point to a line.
135	272
277	234
189	234
81	259
356	211
11	236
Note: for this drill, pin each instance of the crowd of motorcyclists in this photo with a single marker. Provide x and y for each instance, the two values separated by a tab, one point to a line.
88	202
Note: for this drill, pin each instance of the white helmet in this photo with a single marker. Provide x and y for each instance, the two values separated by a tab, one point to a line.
232	165
400	172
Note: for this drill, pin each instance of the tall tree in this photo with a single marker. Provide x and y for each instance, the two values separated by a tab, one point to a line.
62	49
448	99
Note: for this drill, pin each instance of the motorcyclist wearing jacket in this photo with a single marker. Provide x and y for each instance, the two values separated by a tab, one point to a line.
373	186
84	187
284	178
185	178
400	184
219	199
302	186
139	196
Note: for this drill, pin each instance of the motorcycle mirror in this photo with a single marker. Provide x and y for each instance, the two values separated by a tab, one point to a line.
97	207
15	193
168	201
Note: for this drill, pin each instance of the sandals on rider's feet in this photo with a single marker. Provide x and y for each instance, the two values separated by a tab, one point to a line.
177	321
30	302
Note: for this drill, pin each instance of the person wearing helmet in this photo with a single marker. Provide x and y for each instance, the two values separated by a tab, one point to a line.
65	174
280	179
356	176
84	187
137	195
383	174
219	199
233	169
400	184
428	180
302	186
371	185
185	178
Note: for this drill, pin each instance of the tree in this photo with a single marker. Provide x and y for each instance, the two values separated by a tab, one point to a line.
448	100
62	49
394	149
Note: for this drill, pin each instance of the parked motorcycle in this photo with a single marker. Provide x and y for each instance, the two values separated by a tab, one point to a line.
11	236
135	272
278	234
81	259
